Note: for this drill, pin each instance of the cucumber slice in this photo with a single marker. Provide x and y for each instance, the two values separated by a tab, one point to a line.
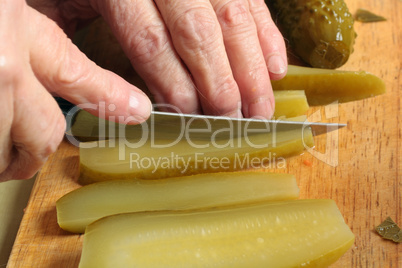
300	233
189	192
290	103
324	86
161	158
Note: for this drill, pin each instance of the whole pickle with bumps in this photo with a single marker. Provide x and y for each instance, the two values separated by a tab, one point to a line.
320	32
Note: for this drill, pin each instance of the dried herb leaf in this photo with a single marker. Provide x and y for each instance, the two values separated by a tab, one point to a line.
388	229
364	15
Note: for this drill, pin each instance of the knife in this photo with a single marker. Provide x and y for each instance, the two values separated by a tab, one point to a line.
174	119
167	125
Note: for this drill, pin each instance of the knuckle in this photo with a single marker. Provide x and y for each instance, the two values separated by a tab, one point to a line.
260	10
269	30
149	43
226	97
178	95
184	100
10	68
109	97
271	39
234	13
48	125
5	154
23	164
71	68
195	26
52	143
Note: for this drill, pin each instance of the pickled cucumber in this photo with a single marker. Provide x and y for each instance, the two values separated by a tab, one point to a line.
298	233
290	103
320	32
323	86
180	193
162	158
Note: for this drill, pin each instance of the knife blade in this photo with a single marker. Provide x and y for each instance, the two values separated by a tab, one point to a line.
168	125
176	119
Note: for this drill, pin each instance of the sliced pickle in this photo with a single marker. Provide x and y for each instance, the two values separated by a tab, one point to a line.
179	193
290	103
323	86
219	150
299	233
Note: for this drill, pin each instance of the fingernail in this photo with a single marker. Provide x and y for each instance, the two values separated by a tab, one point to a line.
235	114
140	106
276	65
261	108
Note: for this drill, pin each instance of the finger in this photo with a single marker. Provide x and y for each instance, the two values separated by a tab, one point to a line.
8	67
34	125
271	40
37	130
143	35
6	114
246	57
197	38
67	72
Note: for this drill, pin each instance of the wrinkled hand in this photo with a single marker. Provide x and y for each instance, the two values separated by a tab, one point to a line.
202	56
213	57
37	59
230	49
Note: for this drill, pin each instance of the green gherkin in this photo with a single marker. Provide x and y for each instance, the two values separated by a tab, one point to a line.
320	32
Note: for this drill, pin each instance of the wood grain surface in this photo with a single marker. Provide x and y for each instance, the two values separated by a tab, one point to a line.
360	167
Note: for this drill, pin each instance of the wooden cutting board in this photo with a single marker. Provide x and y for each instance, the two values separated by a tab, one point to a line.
364	176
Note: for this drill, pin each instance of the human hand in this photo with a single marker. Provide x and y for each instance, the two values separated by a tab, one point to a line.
36	59
209	56
201	56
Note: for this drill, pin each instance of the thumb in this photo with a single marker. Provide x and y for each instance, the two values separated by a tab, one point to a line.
65	71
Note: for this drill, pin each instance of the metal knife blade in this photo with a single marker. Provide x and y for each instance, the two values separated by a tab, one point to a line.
167	125
177	119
